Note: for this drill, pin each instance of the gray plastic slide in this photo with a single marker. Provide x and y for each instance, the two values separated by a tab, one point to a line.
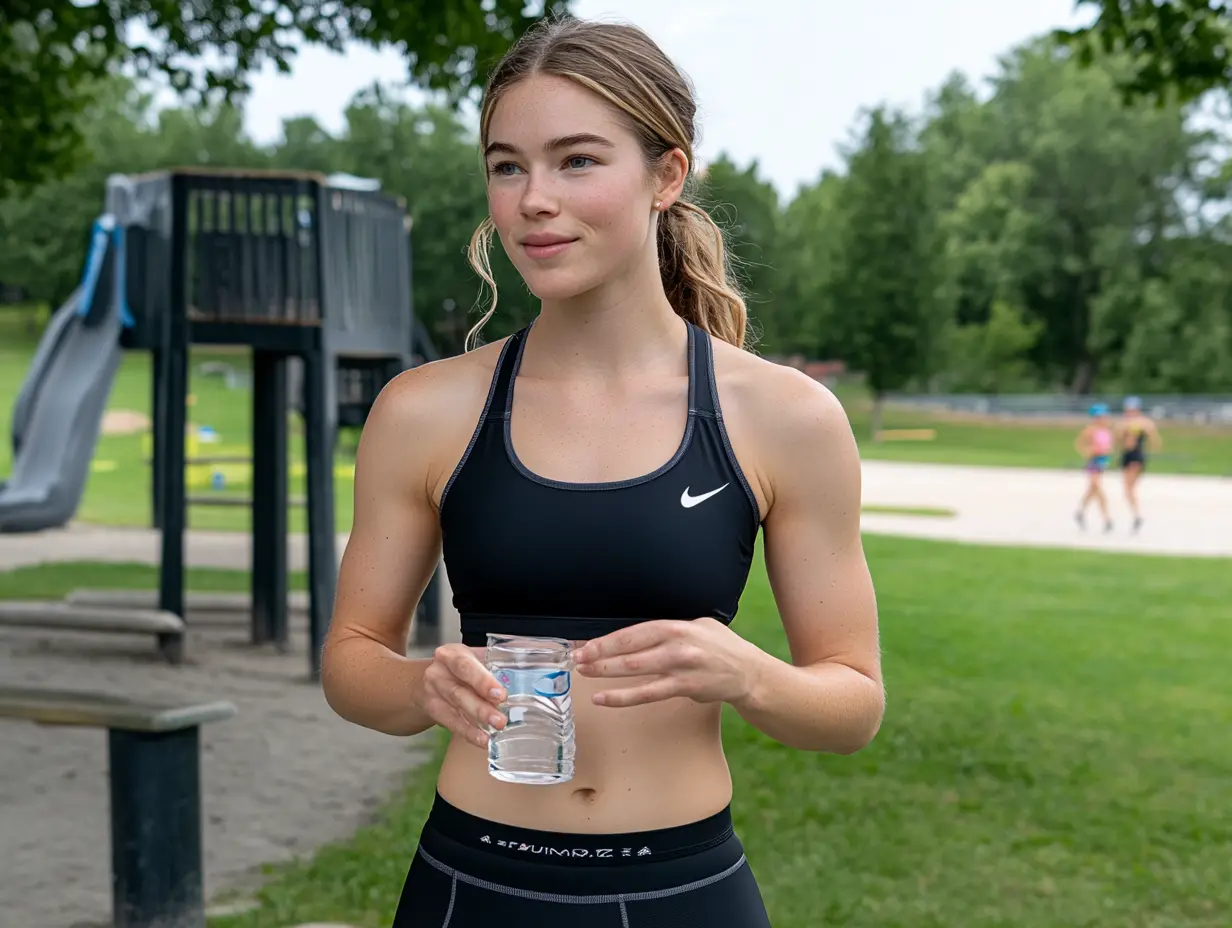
58	417
39	364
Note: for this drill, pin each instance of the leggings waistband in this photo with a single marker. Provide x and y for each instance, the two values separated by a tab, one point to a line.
571	848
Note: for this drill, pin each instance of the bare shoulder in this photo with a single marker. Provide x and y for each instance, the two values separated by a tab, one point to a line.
425	394
425	416
785	427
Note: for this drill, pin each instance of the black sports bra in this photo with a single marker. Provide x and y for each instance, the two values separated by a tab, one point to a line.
531	556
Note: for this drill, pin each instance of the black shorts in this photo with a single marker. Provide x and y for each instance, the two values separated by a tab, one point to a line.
472	873
1133	457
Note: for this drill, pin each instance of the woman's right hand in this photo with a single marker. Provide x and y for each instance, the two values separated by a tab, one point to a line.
459	693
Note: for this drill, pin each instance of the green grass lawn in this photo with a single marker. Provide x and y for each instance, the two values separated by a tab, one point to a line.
54	581
118	492
1054	755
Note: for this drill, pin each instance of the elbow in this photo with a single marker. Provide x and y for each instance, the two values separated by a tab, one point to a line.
340	663
857	740
863	725
333	680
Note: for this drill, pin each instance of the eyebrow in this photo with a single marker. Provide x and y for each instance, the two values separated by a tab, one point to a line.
565	141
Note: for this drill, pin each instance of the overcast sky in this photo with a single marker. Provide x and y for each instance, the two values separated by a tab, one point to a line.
781	81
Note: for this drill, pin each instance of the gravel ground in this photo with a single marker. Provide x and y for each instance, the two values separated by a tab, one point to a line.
282	777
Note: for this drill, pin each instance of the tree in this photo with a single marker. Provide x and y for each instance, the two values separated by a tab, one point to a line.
52	53
1075	196
802	319
1181	47
886	280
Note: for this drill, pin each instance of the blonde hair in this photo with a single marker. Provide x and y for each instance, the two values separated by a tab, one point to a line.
624	67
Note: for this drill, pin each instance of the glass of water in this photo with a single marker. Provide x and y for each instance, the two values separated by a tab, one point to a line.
536	745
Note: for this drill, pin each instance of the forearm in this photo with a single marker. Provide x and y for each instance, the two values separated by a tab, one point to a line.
368	684
824	707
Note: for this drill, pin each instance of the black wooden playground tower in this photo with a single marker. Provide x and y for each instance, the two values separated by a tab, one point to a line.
293	267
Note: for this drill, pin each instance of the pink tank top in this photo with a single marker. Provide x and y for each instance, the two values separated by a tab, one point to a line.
1101	441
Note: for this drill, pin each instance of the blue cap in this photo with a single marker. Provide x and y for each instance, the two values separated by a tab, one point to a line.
1132	402
1098	409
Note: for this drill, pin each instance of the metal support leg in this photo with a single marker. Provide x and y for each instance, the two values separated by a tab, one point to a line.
156	837
171	573
319	430
269	499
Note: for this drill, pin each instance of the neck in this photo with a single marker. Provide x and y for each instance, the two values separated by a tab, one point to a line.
620	326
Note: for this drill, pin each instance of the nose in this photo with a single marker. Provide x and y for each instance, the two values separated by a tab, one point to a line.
539	198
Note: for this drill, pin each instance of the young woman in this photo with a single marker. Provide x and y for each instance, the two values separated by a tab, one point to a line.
1137	433
1094	444
601	476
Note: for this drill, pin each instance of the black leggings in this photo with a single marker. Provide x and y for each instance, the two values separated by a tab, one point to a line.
472	873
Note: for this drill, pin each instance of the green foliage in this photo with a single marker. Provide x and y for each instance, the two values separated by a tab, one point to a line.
991	356
52	53
1179	48
886	276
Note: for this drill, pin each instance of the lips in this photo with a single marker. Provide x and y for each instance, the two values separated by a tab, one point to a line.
545	244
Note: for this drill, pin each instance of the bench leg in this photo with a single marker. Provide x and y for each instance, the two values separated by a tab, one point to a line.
156	841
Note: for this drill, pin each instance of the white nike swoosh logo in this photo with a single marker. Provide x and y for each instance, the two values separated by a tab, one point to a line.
688	502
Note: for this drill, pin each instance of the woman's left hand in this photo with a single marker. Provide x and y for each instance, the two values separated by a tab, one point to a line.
702	659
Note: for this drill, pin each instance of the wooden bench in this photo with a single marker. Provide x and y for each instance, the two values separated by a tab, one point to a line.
906	435
154	753
78	618
193	602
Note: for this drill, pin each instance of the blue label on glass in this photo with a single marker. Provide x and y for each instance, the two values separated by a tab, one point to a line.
533	682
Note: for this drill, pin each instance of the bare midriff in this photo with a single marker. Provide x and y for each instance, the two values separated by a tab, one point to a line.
636	768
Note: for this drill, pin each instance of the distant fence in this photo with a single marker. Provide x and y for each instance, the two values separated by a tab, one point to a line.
1214	410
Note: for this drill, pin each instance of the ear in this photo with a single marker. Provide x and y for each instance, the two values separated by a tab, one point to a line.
670	177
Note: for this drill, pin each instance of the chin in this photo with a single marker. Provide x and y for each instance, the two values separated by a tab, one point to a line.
558	285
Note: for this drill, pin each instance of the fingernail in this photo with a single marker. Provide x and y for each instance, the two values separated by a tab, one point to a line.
495	719
600	698
496	694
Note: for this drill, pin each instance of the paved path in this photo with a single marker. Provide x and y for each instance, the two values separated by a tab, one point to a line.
1185	515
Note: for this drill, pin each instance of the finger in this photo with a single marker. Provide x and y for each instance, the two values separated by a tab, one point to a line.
478	711
627	640
656	691
657	660
466	666
459	725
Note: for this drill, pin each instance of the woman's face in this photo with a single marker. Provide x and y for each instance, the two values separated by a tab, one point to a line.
568	188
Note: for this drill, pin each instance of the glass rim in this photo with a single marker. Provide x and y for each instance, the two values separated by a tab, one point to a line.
538	643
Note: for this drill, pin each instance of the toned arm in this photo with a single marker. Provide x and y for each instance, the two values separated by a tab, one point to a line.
392	551
830	697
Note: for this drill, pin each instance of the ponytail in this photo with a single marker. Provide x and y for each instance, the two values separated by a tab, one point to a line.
695	268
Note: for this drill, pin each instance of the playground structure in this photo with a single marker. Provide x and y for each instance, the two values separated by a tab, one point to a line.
313	275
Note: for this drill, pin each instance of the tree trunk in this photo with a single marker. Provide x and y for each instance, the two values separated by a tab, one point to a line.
874	423
1084	377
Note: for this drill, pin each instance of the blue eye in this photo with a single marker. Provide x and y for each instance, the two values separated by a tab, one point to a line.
573	162
499	169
